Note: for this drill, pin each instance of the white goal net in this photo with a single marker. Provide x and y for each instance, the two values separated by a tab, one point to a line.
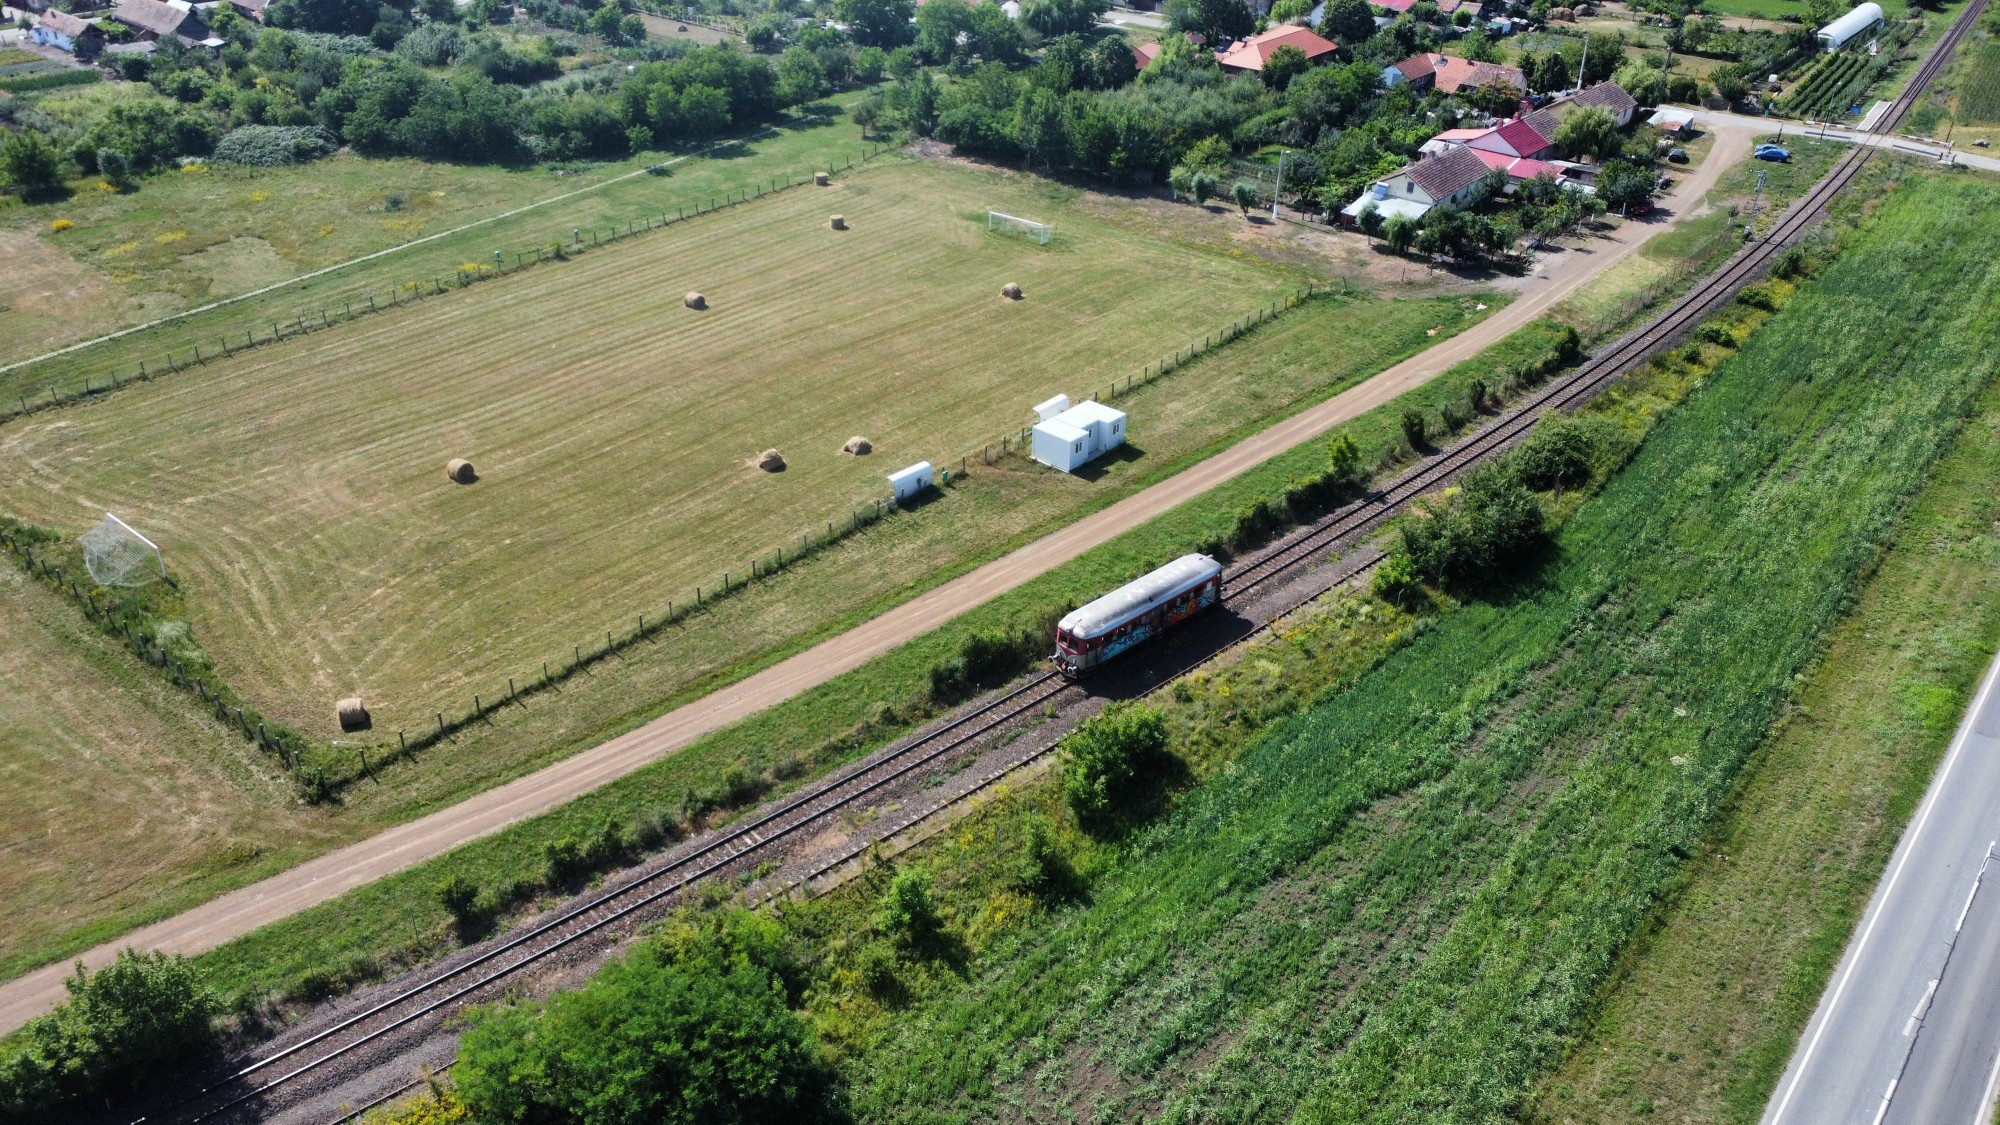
116	555
1014	224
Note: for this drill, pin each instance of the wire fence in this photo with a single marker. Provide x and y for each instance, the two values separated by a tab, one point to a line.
504	262
1019	440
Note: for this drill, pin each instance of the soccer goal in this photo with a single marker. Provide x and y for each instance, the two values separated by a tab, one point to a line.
1014	224
116	555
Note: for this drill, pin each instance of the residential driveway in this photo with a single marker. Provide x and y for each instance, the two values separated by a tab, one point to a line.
319	880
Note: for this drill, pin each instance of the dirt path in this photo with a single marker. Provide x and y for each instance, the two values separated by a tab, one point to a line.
335	873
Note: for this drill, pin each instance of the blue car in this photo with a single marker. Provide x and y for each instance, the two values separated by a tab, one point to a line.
1771	152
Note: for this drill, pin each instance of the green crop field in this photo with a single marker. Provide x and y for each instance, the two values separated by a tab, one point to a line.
300	493
1978	93
1404	902
122	801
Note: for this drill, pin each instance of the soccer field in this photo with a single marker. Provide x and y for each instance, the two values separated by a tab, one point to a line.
300	495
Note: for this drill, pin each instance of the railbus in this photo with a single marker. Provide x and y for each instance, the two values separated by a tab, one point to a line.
1135	612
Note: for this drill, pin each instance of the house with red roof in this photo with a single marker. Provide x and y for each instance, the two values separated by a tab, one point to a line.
1249	56
1604	95
1448	74
1515	139
1145	53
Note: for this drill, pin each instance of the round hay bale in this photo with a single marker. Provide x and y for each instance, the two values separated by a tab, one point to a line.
1011	291
859	446
838	222
695	301
459	470
352	714
771	461
821	179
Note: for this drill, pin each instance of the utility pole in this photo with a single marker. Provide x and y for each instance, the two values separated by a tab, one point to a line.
1755	199
1585	67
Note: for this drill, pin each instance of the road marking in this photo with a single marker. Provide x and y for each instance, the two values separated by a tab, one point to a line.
1985	1113
1917	1016
1958	745
1886	1095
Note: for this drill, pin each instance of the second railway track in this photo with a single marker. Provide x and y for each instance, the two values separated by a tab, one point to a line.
481	976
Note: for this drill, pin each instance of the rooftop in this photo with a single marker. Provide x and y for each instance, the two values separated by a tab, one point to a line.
1447	173
1252	53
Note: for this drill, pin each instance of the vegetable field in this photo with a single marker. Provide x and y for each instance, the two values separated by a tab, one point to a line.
1402	903
1832	86
1978	94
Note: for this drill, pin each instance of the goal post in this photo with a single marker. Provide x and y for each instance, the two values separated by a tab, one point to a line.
1014	224
117	555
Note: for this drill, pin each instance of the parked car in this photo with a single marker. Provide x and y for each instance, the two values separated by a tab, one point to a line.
1772	153
1678	156
1663	183
1643	207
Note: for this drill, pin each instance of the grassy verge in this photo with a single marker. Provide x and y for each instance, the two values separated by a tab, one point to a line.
1399	904
1708	1007
1699	243
189	237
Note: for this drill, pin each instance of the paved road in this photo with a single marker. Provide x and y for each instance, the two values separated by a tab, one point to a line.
1970	158
1908	1030
319	880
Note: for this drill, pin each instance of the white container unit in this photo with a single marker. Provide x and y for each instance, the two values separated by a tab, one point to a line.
905	483
1078	435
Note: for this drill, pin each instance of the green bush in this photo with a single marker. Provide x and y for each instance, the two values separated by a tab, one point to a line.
1414	427
272	145
1478	534
1099	759
459	896
1758	296
120	1027
1558	453
693	1028
1713	333
908	913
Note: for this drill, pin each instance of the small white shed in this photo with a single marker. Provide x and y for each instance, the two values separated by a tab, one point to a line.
1843	30
905	483
1078	435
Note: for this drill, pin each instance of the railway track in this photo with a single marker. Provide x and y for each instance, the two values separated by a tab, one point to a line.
481	976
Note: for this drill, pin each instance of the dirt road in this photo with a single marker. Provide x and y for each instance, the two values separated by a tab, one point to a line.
331	875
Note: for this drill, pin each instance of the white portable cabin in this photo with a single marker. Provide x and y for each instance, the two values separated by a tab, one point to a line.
1842	31
1078	435
905	483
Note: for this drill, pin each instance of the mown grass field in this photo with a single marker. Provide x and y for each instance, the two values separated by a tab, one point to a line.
122	802
1709	1007
306	505
1401	904
185	238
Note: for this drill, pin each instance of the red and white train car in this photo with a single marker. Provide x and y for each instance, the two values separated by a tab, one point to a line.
1136	611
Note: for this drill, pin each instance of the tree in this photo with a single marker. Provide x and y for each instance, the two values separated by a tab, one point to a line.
1589	131
1343	460
800	79
1216	20
116	167
1415	430
1477	534
30	164
691	1028
1287	11
866	113
1099	760
338	17
1479	47
870	63
1400	232
1203	186
938	29
1730	85
915	99
1051	18
876	23
1038	127
1349	23
908	912
1245	197
1284	64
1548	73
121	1027
1370	220
1606	55
1558	453
1647	84
1621	184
